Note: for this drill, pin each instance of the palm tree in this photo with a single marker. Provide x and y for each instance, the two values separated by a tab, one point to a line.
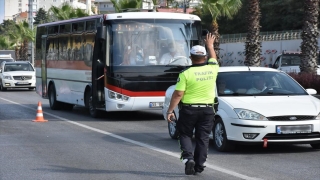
22	35
5	43
217	9
126	4
66	11
253	42
309	45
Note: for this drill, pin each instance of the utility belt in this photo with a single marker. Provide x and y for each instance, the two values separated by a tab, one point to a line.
197	105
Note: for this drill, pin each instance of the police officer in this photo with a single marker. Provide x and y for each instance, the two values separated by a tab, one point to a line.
196	91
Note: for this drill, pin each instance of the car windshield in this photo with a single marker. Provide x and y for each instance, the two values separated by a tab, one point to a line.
257	83
18	67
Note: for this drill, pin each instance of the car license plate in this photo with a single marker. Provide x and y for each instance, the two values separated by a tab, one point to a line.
155	104
297	129
22	82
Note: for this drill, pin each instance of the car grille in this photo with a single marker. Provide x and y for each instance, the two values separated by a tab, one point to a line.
22	77
274	136
291	118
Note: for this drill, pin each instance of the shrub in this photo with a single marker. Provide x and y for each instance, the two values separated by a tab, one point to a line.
307	80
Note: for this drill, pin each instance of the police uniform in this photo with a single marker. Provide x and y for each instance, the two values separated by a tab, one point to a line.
198	83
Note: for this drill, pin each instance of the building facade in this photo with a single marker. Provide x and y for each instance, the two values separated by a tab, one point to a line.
13	8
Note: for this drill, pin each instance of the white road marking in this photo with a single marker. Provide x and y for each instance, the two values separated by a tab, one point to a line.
210	166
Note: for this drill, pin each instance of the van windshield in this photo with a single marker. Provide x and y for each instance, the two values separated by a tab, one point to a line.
6	60
292	60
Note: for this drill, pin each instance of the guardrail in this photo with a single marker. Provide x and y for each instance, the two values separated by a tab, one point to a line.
265	36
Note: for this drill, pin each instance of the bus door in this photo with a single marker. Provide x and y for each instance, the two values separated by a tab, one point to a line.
98	68
44	65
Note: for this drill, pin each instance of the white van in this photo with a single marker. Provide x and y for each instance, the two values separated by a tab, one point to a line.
6	57
289	61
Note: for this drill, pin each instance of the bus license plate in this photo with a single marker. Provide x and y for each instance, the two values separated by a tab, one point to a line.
298	129
155	104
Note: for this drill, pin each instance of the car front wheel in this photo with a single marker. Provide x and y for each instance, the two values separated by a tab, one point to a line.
221	142
2	88
172	127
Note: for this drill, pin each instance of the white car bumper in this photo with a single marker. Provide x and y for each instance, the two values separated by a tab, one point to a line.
18	84
236	128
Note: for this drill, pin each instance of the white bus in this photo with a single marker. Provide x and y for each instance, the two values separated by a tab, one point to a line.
111	62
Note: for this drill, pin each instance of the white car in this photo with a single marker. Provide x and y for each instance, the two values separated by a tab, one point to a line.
284	112
18	74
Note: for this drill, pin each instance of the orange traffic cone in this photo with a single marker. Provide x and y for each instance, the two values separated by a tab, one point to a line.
39	117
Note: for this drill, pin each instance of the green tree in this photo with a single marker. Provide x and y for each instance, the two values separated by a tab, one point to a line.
276	15
253	41
309	45
120	5
217	9
5	43
7	26
41	17
21	36
66	11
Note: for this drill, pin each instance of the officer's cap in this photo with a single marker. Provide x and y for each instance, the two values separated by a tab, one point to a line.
198	51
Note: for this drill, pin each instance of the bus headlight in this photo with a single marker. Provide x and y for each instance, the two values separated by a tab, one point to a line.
117	96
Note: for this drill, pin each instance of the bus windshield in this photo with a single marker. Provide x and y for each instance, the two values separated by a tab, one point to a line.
153	42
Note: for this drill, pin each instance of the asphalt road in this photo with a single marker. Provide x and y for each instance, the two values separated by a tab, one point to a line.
124	145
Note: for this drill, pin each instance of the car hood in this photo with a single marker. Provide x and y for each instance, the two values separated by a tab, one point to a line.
19	73
276	105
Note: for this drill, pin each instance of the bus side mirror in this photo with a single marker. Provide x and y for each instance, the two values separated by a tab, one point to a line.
102	32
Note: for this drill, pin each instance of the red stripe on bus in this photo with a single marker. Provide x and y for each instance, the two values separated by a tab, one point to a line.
135	94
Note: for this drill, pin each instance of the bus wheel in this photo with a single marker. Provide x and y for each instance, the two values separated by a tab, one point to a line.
92	109
54	104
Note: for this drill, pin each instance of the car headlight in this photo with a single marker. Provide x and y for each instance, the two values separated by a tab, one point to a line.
7	77
249	115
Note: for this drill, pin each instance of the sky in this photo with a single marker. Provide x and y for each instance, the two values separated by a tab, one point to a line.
1	10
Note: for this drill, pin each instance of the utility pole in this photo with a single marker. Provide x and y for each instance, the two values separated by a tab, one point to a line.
88	3
184	7
31	27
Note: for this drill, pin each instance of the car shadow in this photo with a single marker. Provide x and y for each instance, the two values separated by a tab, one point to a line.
270	149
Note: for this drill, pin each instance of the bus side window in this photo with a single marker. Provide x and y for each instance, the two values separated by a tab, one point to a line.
74	27
90	25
